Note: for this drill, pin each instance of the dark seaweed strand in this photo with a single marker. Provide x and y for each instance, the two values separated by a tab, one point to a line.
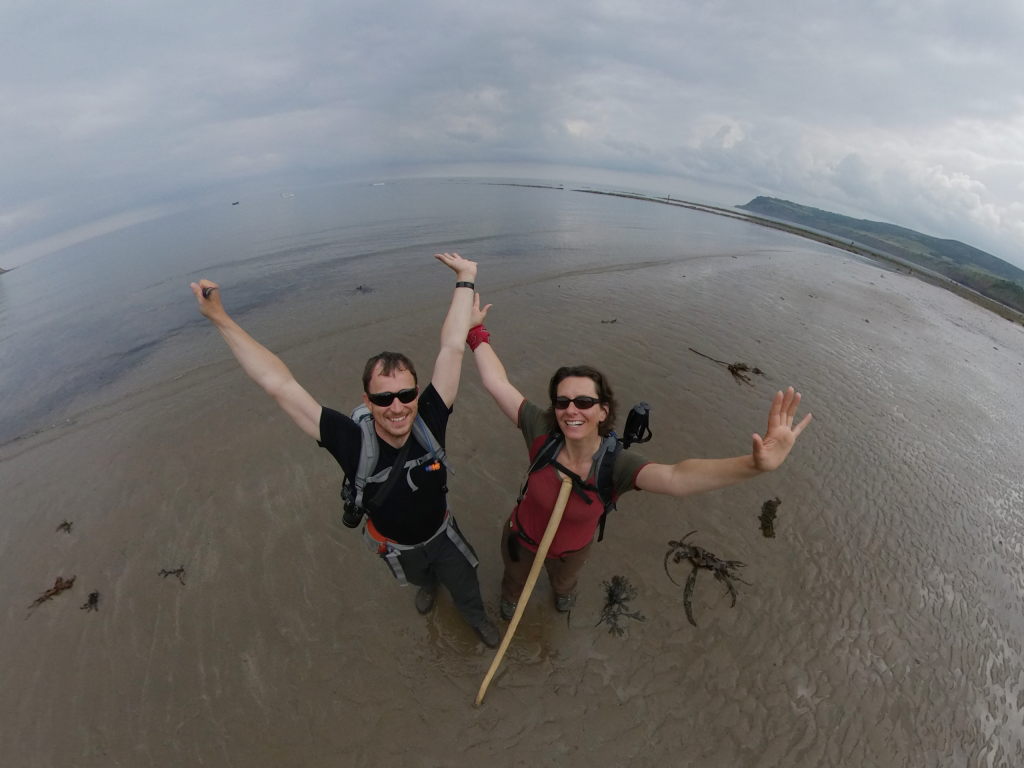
688	595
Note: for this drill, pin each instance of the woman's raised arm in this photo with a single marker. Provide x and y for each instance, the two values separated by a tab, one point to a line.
492	372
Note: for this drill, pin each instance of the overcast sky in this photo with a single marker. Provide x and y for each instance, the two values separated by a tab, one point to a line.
907	111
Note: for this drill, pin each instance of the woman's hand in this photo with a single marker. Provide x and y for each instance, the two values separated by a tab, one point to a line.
477	315
772	450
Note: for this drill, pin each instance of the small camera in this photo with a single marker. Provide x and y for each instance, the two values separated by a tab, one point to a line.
637	428
352	515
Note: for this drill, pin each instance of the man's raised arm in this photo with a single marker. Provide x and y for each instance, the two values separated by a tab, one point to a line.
261	365
448	367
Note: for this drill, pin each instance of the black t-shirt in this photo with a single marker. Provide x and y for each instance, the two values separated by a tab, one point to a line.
408	516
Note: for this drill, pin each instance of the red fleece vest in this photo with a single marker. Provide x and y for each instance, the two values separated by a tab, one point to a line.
579	521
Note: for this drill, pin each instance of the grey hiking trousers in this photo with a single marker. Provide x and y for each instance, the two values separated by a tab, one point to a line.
445	558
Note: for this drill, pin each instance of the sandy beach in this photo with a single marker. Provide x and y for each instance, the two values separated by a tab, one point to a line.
882	625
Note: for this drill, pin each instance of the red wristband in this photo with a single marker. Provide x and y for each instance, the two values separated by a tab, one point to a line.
477	335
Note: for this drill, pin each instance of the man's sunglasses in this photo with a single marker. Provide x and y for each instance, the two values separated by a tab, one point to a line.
583	403
384	399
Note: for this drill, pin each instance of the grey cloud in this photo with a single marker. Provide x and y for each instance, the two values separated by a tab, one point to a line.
861	107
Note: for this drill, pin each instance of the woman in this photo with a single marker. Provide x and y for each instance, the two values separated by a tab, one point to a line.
581	412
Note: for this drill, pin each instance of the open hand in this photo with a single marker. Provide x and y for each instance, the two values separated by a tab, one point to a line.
463	268
771	451
478	315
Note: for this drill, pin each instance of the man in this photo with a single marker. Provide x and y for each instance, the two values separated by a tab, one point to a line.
403	494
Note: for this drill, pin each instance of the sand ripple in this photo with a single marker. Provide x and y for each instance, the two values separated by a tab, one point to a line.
882	626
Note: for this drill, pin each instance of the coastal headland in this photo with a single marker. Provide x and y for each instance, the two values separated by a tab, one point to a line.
895	262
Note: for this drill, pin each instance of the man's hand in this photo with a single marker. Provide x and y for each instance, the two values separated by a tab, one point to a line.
464	269
770	452
259	363
448	366
207	294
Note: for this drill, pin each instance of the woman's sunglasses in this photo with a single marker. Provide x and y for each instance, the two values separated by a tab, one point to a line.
583	403
384	399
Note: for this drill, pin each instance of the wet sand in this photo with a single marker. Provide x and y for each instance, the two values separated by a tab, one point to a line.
882	625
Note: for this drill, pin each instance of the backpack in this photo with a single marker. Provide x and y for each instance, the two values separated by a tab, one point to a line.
636	431
604	459
353	487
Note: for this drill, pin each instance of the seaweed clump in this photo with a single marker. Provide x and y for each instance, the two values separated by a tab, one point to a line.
767	517
739	371
698	557
618	593
58	586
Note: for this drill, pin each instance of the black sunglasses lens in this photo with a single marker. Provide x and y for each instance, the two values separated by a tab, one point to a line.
384	399
583	403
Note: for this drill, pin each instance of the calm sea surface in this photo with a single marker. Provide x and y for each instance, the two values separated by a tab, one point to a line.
74	322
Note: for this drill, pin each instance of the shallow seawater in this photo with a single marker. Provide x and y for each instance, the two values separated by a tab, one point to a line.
881	626
75	321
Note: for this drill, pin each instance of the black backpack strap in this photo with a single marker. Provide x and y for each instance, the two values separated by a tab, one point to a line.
605	461
380	496
605	478
352	488
579	485
545	455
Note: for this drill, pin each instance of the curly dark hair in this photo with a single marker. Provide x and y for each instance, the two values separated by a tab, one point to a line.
604	394
390	362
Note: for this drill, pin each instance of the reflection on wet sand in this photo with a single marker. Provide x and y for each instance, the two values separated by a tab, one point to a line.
882	624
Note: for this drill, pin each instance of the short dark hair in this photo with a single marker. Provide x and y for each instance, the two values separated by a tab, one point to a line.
604	394
389	363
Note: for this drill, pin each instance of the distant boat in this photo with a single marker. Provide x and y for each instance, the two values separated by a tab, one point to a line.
235	203
378	183
287	194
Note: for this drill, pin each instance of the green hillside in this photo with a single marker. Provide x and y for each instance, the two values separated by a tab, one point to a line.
968	266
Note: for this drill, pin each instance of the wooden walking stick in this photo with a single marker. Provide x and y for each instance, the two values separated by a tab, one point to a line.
531	580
